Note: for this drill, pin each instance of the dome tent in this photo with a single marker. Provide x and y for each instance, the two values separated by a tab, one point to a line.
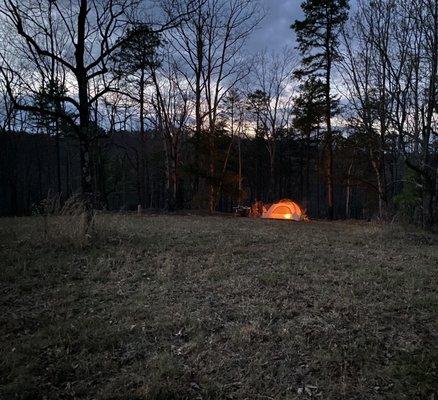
285	209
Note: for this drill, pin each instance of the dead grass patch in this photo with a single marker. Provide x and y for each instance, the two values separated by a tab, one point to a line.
186	307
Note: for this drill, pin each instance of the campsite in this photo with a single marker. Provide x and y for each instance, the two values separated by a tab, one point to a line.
218	199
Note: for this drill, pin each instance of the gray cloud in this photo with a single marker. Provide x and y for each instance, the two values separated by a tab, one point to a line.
274	32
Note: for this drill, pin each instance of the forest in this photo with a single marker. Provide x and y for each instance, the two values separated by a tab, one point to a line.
218	199
161	104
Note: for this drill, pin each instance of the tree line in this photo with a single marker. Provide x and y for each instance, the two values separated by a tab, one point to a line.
161	104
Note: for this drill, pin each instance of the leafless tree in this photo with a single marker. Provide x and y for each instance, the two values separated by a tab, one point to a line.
170	100
273	75
79	38
366	72
390	70
235	116
209	51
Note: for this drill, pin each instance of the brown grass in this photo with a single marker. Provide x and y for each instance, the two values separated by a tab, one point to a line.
189	307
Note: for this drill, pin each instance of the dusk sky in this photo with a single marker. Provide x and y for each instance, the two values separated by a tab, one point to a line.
274	32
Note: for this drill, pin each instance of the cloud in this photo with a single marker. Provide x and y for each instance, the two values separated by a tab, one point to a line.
274	32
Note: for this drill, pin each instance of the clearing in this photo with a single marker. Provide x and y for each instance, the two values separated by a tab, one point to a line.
192	307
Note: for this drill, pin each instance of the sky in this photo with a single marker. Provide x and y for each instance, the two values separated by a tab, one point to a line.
274	31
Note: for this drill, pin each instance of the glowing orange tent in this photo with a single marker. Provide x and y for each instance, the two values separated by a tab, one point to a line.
285	209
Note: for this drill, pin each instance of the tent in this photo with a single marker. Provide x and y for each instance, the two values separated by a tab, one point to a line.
285	209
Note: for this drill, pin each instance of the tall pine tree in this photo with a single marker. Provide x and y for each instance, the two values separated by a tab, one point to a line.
308	111
133	63
318	42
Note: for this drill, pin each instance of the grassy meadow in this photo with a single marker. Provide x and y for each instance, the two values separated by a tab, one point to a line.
192	307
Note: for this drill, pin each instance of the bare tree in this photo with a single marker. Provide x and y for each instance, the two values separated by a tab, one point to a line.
170	101
235	115
209	51
427	167
273	75
366	72
390	71
80	41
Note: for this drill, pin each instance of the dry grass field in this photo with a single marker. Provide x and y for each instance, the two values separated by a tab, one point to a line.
192	307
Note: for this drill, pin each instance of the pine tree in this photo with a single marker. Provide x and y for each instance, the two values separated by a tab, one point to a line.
133	61
308	115
133	64
50	100
309	106
318	42
257	105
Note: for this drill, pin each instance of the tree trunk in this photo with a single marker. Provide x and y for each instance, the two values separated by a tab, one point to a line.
381	187
211	190
318	175
271	190
428	214
84	114
86	180
171	175
240	170
67	172
58	160
307	189
328	164
142	151
348	195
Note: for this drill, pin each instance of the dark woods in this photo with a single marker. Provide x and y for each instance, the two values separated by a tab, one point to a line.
173	113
